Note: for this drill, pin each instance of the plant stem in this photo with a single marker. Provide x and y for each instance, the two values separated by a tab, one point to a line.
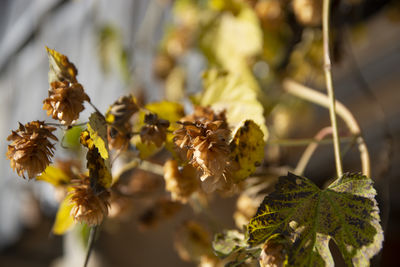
329	87
315	97
307	141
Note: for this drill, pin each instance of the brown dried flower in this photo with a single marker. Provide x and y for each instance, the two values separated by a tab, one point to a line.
181	184
161	210
118	117
31	149
155	130
192	242
89	206
273	253
207	149
65	101
203	140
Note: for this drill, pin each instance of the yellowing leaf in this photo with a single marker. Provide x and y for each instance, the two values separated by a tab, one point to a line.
54	176
97	128
166	110
64	221
229	91
234	39
60	67
99	168
345	212
247	149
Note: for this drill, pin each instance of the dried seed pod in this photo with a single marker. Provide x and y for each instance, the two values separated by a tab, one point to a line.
118	117
161	210
273	252
89	207
65	101
31	149
181	184
155	130
192	241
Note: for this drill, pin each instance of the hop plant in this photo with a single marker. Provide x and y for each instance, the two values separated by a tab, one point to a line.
89	206
65	101
31	150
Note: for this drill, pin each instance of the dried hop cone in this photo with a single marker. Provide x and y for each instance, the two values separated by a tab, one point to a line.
31	149
181	184
65	101
118	117
89	207
155	130
273	252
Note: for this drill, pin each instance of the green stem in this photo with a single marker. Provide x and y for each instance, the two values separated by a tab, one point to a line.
329	87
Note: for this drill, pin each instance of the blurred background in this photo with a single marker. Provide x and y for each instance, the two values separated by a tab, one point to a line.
114	45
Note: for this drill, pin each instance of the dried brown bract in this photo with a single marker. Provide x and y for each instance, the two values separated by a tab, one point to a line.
182	183
118	117
65	101
89	207
192	242
161	210
273	253
155	130
31	149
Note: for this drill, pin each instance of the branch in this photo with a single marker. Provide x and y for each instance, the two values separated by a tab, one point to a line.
318	98
329	87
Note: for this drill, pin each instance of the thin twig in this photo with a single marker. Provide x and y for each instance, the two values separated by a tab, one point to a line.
329	87
307	141
318	98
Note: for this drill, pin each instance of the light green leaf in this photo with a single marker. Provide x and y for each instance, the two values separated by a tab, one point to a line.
54	176
345	212
228	242
64	221
97	128
238	96
71	138
247	149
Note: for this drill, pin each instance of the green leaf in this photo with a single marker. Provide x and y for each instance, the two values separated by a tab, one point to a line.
71	138
236	94
228	242
97	128
64	221
247	149
60	67
345	212
54	176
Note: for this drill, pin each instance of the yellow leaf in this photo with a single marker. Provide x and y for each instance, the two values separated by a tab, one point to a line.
235	94
234	39
99	168
54	176
64	220
60	67
97	128
248	149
